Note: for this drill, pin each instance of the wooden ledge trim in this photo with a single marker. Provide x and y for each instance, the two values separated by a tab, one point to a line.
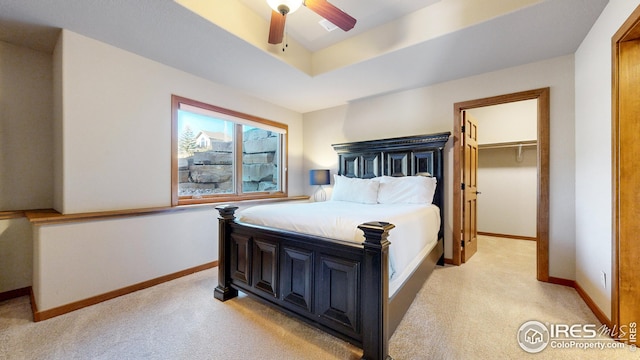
47	314
16	214
50	216
4	215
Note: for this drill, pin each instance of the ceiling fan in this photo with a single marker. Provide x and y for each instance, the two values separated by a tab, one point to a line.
321	7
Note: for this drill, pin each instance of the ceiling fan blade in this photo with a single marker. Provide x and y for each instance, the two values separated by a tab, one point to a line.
338	17
276	28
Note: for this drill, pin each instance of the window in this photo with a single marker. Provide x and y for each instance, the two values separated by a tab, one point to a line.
222	155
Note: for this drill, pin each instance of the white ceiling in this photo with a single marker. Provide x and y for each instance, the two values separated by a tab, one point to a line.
304	24
396	44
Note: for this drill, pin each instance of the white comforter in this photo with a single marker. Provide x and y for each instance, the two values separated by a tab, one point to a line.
415	234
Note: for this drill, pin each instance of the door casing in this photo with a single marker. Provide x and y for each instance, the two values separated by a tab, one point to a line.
542	221
625	292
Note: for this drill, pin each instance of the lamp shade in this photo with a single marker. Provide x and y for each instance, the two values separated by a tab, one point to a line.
291	5
319	177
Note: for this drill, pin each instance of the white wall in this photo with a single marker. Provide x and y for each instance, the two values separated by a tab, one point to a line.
16	254
116	126
430	109
25	161
76	261
25	128
112	121
514	121
593	152
508	201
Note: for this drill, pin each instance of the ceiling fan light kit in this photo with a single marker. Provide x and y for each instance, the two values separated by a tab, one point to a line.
285	7
281	8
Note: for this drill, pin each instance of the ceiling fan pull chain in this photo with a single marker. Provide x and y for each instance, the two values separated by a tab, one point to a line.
285	43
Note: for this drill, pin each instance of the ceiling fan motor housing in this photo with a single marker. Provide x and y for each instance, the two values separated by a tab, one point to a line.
283	9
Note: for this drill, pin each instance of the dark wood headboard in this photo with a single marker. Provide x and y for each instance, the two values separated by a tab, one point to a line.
402	156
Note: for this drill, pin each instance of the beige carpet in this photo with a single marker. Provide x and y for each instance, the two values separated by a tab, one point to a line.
467	312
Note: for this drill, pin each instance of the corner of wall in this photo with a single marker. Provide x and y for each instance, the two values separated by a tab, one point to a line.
58	107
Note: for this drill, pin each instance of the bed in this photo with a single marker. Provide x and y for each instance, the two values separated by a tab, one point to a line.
353	283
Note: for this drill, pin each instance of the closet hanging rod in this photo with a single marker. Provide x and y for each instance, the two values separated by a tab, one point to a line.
512	144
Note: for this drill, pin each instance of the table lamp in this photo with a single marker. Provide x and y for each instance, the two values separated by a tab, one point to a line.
319	177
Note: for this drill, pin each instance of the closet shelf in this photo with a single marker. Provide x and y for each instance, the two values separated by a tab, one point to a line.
513	144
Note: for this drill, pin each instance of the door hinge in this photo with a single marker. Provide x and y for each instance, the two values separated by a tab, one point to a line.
462	129
462	186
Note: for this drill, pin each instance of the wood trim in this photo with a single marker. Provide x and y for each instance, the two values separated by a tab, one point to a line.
448	261
11	294
221	110
230	198
542	231
615	179
5	215
34	306
542	226
517	237
16	214
561	281
47	314
628	31
585	297
50	216
592	305
175	106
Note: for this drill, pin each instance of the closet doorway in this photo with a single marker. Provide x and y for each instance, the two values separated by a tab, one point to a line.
507	169
541	96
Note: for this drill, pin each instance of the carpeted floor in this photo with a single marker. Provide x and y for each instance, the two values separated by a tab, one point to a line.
467	312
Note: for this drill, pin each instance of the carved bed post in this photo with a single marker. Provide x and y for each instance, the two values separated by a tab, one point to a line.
224	291
375	291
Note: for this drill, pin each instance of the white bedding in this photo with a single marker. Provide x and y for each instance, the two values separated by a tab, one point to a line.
415	234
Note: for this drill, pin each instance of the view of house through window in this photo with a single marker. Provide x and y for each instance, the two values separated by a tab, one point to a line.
223	154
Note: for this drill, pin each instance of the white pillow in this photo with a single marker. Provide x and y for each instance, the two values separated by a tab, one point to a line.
364	191
406	189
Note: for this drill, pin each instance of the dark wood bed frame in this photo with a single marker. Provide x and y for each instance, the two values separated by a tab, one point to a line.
321	280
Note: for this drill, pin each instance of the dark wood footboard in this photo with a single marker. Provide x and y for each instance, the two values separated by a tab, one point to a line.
339	287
